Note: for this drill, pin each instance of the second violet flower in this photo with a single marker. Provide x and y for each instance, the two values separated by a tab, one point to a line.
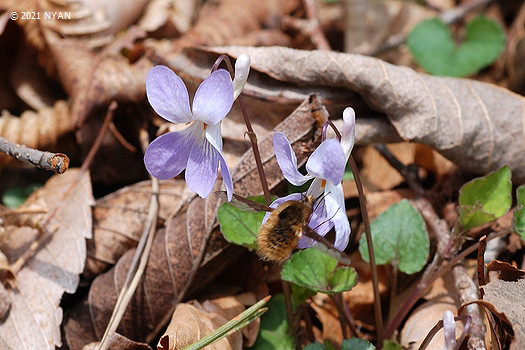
326	167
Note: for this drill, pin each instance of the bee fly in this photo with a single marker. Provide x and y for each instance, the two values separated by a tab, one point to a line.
280	234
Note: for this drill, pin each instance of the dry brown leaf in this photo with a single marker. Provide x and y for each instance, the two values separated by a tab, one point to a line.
476	125
225	21
193	321
119	342
441	297
176	13
35	317
180	260
36	130
506	296
330	323
370	24
94	80
118	219
378	174
92	23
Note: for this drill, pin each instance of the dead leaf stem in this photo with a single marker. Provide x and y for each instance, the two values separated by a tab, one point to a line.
56	162
140	259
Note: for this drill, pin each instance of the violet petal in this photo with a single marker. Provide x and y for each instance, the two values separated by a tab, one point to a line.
214	98
202	168
347	139
167	155
168	95
287	160
327	161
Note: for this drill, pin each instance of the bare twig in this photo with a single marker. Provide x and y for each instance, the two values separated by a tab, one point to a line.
43	228
314	29
468	291
57	162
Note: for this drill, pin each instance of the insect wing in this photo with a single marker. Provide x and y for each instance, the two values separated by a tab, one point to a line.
326	247
242	203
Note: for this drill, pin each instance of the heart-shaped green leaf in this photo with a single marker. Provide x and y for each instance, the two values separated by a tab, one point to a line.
434	48
400	236
485	199
313	269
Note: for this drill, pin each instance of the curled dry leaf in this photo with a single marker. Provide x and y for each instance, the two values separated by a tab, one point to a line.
35	316
94	80
505	293
192	321
478	126
230	20
91	23
118	219
191	242
36	130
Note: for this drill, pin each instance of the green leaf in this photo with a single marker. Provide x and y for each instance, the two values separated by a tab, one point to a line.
16	196
485	199
273	332
240	227
391	345
434	48
519	213
400	237
317	271
357	344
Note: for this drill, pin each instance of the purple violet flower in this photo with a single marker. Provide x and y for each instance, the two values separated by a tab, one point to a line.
197	148
326	167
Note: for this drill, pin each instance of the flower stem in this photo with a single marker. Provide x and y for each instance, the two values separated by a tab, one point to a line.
256	154
373	266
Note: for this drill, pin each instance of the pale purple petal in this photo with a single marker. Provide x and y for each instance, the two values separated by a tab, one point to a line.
167	155
336	193
242	68
279	201
214	136
168	95
214	98
347	139
340	221
449	329
202	168
226	176
327	161
287	160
